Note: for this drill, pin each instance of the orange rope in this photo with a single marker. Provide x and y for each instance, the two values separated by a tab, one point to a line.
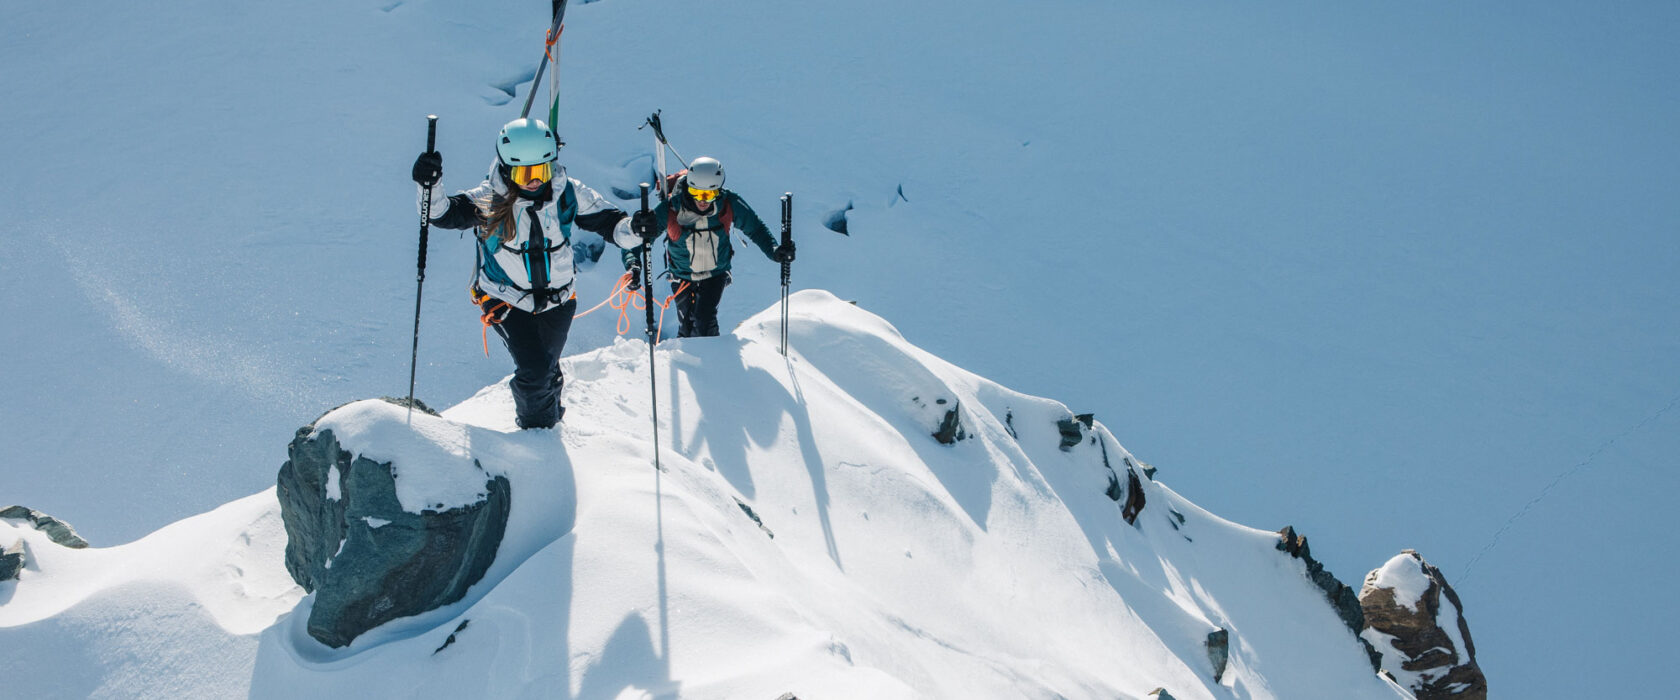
549	40
662	307
486	317
618	287
623	300
630	300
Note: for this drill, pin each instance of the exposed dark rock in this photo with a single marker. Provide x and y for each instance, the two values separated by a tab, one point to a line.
451	640
1219	652
57	530
1341	597
11	561
403	401
951	427
1422	637
1132	492
754	516
1134	498
1073	430
1114	492
366	559
1160	694
1148	470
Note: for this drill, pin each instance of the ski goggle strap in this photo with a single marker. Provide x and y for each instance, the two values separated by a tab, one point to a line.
526	174
702	195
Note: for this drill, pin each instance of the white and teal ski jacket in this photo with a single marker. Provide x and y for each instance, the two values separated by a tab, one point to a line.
532	269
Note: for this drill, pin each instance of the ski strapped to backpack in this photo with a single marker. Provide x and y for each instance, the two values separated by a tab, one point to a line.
660	145
551	53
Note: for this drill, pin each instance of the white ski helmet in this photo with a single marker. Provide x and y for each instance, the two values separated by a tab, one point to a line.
527	142
705	174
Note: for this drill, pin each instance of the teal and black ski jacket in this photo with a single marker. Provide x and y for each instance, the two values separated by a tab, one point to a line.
697	245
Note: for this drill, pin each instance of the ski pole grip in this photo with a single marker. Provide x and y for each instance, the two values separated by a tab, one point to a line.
431	132
787	218
644	196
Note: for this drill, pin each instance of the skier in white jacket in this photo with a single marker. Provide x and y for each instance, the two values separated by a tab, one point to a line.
524	213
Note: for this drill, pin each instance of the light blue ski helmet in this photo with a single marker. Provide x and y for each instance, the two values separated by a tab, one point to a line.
527	142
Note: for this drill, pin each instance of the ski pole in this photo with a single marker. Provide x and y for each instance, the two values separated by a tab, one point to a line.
420	278
647	291
787	265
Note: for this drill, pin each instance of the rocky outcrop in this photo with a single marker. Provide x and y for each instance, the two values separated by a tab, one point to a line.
366	558
11	561
56	530
1073	429
1130	497
1341	597
1219	652
1415	618
950	427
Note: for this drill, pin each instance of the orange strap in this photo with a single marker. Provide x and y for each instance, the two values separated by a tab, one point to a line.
550	40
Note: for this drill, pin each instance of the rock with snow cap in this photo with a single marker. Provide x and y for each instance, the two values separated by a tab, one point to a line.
385	518
1415	618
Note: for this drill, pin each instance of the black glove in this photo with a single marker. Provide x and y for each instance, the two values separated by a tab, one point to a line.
428	168
642	224
784	253
635	277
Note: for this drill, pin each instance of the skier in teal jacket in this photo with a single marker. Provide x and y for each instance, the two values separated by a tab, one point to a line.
695	222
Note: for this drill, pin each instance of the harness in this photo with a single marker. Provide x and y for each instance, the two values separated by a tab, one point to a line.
535	255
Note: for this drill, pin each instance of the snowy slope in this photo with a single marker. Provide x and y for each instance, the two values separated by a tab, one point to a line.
888	565
1304	257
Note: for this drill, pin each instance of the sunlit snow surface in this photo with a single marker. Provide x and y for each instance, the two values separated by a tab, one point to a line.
1304	257
888	565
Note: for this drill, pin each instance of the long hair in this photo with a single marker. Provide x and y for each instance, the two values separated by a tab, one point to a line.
497	215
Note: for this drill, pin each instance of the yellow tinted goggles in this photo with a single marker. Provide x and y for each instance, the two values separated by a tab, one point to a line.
526	174
702	195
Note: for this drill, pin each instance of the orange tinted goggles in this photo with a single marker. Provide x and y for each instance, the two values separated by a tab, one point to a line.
702	195
527	174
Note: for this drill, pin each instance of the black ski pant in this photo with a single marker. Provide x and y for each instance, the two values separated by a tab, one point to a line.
535	342
697	305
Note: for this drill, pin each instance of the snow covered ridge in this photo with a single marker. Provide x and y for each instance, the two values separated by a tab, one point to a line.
811	536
